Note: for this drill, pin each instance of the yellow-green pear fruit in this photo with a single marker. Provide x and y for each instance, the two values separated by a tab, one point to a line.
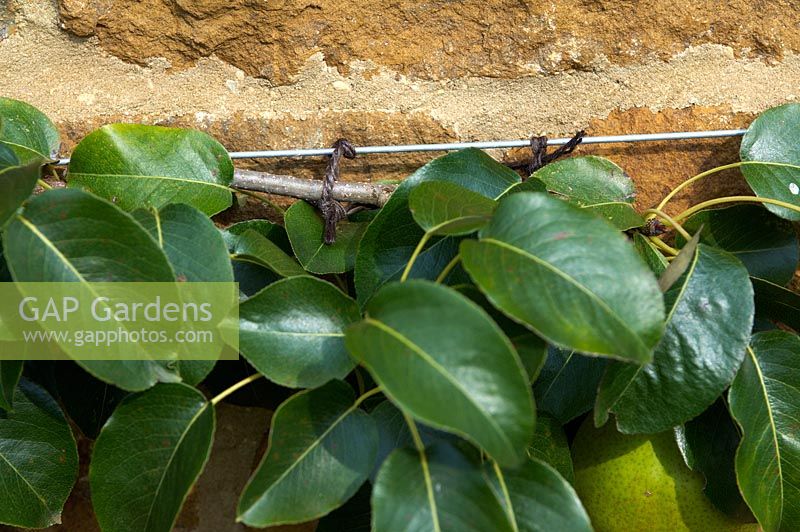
636	483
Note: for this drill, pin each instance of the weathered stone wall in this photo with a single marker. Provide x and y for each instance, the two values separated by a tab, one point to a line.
261	74
300	73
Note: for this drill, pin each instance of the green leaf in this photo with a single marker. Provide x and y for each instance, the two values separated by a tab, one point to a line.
257	249
393	433
140	166
10	371
198	254
306	229
587	180
776	303
708	444
293	332
532	350
443	208
766	244
38	460
27	131
551	447
679	264
191	241
764	400
529	185
708	328
651	255
321	450
619	214
442	490
148	456
441	359
252	277
16	185
391	237
572	279
7	157
71	236
596	184
567	385
542	501
771	138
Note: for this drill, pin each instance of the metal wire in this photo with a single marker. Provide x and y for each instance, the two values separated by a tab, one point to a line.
486	145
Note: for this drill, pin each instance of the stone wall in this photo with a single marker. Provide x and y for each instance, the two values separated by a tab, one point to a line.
301	73
261	74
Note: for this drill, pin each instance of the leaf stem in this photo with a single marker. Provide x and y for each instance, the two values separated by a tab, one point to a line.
667	218
242	383
735	199
44	184
366	395
447	269
502	481
413	259
660	244
715	171
423	458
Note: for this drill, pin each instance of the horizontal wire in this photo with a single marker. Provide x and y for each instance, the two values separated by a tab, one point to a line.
486	145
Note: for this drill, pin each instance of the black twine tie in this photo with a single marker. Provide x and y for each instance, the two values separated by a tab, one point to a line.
332	211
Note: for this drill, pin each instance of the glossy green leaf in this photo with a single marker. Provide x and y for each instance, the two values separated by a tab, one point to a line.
766	244
567	385
595	183
550	446
542	501
140	166
10	371
256	249
27	131
191	241
708	444
651	255
38	460
531	349
776	303
442	359
293	332
198	254
574	280
252	277
449	492
587	180
444	208
16	185
71	236
321	450
148	456
619	214
680	264
771	138
7	157
391	237
764	400
306	230
708	328
393	433
529	185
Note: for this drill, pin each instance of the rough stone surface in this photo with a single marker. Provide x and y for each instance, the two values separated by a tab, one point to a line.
437	39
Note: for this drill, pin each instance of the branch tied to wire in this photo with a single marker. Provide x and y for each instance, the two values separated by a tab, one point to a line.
328	194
